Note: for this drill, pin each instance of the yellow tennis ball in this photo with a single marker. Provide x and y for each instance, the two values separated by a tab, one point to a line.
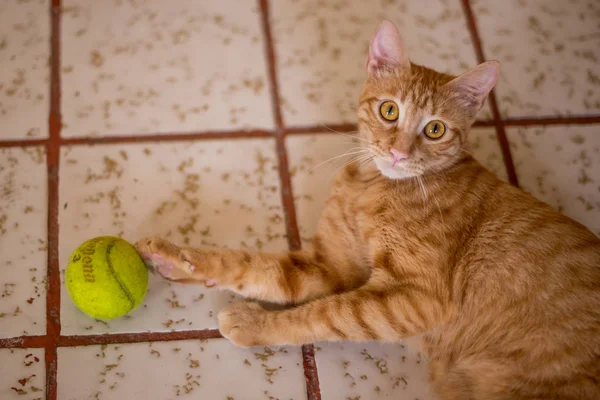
106	278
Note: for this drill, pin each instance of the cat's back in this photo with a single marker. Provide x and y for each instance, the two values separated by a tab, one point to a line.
519	249
529	245
527	284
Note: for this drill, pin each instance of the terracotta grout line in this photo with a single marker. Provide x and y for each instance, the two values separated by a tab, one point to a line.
542	121
293	130
137	337
311	374
263	6
145	138
483	123
52	162
472	26
325	129
169	137
497	119
313	391
287	197
23	342
23	143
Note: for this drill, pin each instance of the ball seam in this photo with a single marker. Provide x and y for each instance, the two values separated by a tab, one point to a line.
116	276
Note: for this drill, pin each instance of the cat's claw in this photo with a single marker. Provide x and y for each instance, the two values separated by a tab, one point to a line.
210	282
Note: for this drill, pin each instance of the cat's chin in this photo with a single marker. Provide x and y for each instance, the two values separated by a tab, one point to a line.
386	169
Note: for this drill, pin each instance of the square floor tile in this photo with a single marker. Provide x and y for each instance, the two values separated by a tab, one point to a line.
23	240
205	193
213	369
24	72
373	371
549	52
560	165
314	162
162	66
312	173
22	374
321	49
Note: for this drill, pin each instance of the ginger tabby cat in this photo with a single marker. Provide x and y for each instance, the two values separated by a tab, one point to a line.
419	239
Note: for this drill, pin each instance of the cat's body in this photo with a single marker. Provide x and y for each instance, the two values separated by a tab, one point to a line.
418	239
503	308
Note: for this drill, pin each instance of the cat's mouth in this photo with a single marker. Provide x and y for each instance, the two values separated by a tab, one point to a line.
402	169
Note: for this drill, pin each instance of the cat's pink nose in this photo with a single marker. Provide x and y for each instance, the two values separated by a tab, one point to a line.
398	156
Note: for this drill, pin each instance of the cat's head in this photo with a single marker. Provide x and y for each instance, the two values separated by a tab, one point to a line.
415	119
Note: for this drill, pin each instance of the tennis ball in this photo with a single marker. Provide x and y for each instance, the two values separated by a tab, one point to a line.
106	278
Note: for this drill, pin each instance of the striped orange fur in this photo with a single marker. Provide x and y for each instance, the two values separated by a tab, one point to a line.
425	241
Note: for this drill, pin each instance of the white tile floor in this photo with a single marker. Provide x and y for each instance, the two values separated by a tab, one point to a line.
157	66
23	212
24	71
213	369
549	54
561	166
22	373
150	66
359	371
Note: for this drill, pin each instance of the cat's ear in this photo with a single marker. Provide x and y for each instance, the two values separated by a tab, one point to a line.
386	50
476	84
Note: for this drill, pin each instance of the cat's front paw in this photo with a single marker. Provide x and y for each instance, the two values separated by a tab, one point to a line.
243	324
165	258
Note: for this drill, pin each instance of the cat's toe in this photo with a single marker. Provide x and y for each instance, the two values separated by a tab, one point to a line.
163	258
156	245
158	264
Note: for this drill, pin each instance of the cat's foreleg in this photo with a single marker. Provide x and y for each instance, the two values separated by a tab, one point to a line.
359	315
286	277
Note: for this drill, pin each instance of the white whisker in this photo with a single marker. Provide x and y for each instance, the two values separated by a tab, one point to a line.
363	162
334	131
351	142
468	152
360	158
422	186
350	161
362	151
350	134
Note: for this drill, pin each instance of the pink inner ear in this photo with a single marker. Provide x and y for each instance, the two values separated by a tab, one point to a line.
386	49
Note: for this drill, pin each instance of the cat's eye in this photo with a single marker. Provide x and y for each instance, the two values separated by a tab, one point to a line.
389	111
434	129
